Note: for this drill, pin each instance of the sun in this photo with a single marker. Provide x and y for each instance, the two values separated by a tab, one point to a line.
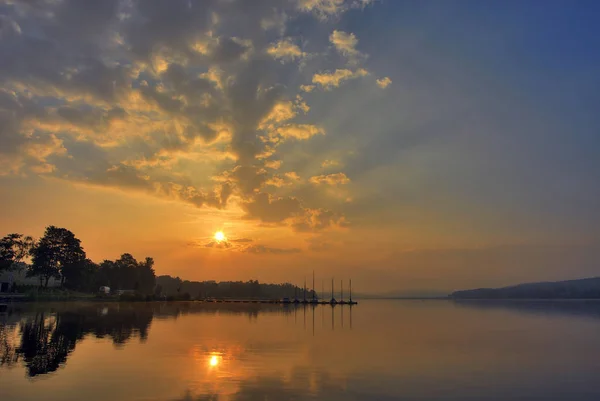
213	361
220	237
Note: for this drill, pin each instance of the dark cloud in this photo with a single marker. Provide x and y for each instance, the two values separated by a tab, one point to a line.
272	210
111	92
90	117
241	245
263	249
218	244
156	24
320	219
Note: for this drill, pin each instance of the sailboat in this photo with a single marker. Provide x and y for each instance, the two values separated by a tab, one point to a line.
333	301
314	299
342	302
351	302
304	301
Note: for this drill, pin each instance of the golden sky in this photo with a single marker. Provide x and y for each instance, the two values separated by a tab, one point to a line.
406	147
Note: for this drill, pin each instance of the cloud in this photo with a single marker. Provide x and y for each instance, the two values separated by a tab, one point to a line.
330	163
298	131
318	220
384	82
269	209
247	179
263	249
8	27
285	180
241	240
273	164
322	8
325	9
318	244
345	44
281	111
330	179
289	211
186	101
218	245
329	80
243	245
292	175
285	50
229	244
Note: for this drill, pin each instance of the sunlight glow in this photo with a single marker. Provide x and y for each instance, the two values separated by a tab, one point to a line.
214	360
219	236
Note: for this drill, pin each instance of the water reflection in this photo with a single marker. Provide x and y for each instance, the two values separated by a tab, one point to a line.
573	308
333	309
45	336
379	350
302	384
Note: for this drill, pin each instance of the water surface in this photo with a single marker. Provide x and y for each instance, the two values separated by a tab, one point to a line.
377	350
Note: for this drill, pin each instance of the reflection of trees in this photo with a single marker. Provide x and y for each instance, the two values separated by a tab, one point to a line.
45	344
252	310
8	355
124	324
47	340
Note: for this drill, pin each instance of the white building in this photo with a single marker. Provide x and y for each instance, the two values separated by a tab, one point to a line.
7	278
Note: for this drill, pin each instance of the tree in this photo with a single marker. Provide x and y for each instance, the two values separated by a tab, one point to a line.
146	276
126	273
82	275
57	254
13	249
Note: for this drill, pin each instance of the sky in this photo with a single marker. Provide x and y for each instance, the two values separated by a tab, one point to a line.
410	146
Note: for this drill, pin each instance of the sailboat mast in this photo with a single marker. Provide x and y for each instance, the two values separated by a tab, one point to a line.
332	288
304	294
350	290
313	287
342	290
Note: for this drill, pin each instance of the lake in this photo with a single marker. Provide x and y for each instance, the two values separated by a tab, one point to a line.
377	350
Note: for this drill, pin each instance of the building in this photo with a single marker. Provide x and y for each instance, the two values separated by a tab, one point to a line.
19	277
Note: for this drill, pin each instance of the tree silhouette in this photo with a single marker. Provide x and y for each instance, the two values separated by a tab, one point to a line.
127	273
57	254
13	249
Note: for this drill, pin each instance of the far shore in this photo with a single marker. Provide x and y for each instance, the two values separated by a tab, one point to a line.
92	298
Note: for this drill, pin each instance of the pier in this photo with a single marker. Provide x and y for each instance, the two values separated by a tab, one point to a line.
276	301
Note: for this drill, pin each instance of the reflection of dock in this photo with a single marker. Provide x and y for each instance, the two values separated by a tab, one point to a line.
342	311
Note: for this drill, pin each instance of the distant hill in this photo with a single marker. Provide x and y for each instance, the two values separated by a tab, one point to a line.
582	288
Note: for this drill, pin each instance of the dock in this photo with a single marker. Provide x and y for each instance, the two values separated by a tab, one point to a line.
276	301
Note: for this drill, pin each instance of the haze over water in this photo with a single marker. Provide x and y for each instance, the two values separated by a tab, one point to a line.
383	350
